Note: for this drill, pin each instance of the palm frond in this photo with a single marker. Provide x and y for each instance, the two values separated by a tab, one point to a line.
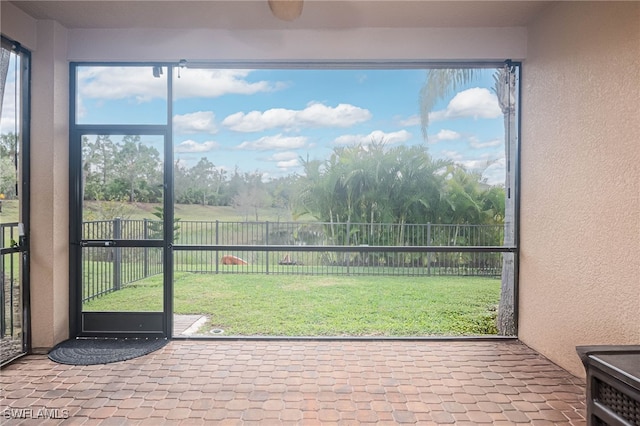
439	84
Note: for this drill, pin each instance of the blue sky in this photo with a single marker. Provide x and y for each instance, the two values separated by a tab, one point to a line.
265	120
281	115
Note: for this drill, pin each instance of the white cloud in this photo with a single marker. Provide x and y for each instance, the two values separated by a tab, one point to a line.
475	143
256	121
288	164
377	136
285	160
81	111
138	83
343	115
183	163
8	119
492	165
476	103
314	115
444	135
212	83
193	146
284	156
451	155
276	142
496	172
414	120
8	123
120	83
476	164
195	122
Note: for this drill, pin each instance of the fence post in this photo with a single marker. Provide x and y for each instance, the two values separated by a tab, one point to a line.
145	232
117	254
428	253
348	238
2	280
217	252
266	230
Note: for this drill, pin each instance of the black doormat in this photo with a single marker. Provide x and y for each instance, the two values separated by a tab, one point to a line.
102	351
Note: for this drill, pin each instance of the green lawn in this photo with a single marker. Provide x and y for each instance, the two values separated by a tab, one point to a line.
182	211
286	305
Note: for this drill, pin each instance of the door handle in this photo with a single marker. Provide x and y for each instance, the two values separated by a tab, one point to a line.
107	243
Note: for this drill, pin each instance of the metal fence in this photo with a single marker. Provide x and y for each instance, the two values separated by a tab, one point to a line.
304	248
108	269
11	309
341	234
333	262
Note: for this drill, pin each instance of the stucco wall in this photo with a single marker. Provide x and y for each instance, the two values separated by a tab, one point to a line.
49	276
49	187
580	219
17	25
358	44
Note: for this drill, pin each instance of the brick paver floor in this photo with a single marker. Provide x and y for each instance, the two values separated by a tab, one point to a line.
300	382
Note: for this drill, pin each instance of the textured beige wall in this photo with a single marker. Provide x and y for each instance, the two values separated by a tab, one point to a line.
49	187
580	218
358	44
17	25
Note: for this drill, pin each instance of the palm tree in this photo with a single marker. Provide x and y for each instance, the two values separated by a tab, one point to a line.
441	83
5	56
505	83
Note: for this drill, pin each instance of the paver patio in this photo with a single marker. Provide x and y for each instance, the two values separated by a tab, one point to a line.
271	382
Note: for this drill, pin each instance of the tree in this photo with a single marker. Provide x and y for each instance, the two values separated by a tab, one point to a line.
8	177
182	192
156	227
372	184
251	197
202	179
5	57
98	160
463	197
8	145
441	83
8	164
139	171
282	191
505	84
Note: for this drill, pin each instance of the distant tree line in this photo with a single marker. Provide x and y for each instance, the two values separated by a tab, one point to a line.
8	165
369	183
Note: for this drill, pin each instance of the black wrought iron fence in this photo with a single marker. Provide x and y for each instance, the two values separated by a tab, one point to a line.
330	261
290	248
107	269
343	234
10	297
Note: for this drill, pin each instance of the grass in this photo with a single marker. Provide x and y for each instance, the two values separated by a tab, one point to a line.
9	211
183	211
145	210
250	305
298	305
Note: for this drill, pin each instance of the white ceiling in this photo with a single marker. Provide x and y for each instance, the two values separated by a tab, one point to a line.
255	14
